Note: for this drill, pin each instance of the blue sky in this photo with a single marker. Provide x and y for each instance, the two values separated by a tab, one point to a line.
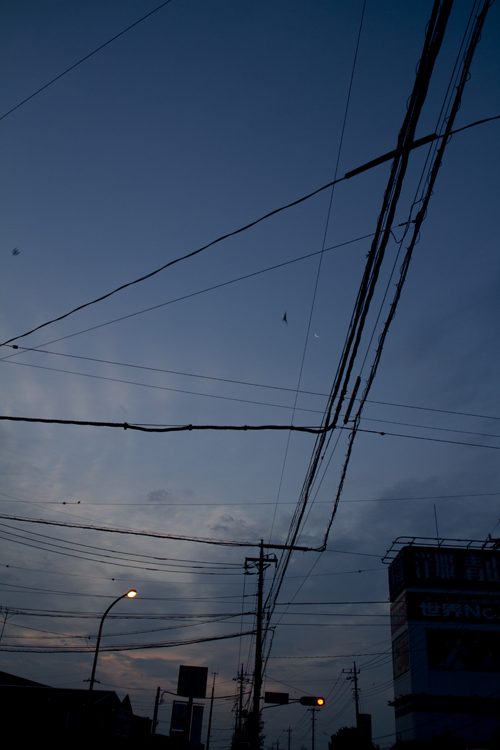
196	122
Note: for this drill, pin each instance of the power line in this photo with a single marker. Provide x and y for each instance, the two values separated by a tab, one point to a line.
331	656
318	272
152	534
432	440
433	170
409	146
38	612
235	428
433	39
146	505
242	382
157	387
164	561
294	407
213	619
428	408
176	428
162	644
179	299
75	65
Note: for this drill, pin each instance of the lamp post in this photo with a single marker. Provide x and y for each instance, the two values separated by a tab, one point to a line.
130	595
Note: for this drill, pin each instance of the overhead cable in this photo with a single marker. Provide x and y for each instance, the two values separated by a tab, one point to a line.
173	301
294	407
236	428
318	271
433	39
75	65
463	77
239	382
153	534
407	147
162	644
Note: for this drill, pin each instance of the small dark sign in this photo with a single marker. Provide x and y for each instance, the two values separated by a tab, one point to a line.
179	716
281	698
192	682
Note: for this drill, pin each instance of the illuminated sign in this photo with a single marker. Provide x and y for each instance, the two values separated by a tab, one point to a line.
445	623
437	567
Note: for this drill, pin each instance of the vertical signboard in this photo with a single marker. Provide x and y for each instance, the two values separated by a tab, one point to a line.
196	724
192	682
179	716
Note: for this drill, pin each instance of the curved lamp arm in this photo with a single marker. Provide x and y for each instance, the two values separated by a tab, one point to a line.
130	595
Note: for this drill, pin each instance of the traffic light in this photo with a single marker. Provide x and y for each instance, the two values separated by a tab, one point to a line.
311	700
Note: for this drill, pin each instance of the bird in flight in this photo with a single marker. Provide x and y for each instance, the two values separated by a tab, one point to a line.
15	251
284	318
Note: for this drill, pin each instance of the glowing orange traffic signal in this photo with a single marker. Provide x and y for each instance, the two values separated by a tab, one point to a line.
311	700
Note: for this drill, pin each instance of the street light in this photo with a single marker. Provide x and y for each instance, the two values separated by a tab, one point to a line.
130	595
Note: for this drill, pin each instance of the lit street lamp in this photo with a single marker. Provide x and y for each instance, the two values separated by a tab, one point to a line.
130	595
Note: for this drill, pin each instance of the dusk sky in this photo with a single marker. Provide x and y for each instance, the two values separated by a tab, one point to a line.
204	117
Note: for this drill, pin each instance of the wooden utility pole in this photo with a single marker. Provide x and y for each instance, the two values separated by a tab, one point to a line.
258	642
353	676
240	704
155	715
210	714
261	563
313	719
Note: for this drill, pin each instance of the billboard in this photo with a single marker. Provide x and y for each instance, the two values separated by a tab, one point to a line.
192	682
463	650
444	568
445	628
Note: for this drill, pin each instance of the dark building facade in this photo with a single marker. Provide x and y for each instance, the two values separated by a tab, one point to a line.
445	624
33	713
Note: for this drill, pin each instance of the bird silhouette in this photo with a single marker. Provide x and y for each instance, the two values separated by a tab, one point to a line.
284	318
15	251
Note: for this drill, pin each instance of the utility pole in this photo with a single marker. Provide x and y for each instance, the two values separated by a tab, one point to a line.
240	704
5	612
353	676
258	643
313	721
155	715
210	714
238	724
261	563
289	730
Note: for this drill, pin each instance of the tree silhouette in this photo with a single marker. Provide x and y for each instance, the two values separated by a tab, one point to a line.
349	738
